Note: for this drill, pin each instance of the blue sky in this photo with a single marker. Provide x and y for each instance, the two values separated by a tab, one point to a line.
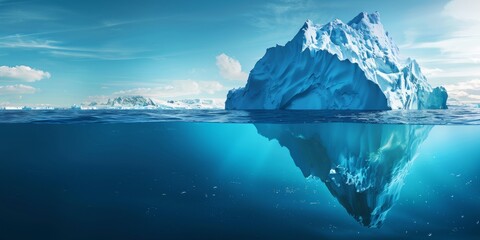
65	52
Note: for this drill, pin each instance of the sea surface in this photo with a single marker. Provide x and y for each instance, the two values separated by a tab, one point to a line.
214	174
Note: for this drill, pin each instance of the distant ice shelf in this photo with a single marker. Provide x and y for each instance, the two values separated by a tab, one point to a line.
134	103
141	102
354	65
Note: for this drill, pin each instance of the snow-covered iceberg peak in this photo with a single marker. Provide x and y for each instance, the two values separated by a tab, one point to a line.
337	66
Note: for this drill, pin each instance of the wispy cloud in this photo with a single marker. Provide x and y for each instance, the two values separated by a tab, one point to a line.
115	23
22	73
17	89
29	12
431	72
282	13
230	68
459	45
22	41
48	30
59	49
18	16
112	55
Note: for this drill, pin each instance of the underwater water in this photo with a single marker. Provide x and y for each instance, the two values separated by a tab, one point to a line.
205	175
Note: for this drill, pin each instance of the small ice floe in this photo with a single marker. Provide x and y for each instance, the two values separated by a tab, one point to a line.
151	211
289	190
332	171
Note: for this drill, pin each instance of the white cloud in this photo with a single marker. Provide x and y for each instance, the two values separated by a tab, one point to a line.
59	49
178	88
22	73
230	68
431	72
463	9
460	45
468	91
16	89
466	37
449	50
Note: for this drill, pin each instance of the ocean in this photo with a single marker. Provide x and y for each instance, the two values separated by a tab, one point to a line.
214	174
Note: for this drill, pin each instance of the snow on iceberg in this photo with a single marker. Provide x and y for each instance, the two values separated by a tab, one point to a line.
362	165
352	66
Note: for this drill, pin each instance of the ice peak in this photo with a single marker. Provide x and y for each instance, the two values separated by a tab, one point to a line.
413	67
365	18
411	61
412	64
307	35
308	23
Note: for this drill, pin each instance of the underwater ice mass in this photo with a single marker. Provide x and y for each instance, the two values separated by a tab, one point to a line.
363	169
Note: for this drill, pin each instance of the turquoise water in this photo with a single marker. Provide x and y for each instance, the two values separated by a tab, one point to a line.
181	179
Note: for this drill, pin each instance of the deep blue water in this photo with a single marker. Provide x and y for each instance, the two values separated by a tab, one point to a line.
125	179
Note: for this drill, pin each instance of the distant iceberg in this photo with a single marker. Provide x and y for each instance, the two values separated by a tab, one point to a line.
141	102
362	165
352	66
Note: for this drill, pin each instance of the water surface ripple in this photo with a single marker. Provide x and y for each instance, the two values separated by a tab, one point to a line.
452	116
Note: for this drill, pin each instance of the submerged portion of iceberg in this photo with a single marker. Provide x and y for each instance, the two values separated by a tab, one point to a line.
363	165
337	66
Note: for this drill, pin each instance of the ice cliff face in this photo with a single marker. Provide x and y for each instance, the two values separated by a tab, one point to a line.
337	66
362	165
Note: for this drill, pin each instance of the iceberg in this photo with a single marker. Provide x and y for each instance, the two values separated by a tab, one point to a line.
354	66
141	102
130	101
205	103
362	165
